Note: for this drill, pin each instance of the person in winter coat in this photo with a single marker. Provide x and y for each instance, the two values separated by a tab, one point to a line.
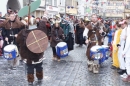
57	35
116	41
79	33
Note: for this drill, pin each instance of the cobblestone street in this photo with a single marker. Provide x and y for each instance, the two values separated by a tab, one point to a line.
71	71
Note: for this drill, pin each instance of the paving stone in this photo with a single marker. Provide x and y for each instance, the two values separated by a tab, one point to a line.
71	71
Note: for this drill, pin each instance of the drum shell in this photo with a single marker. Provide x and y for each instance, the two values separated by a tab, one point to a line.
62	51
12	53
103	51
99	51
106	49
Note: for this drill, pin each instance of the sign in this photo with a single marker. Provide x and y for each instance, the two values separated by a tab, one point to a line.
88	10
51	8
61	10
71	11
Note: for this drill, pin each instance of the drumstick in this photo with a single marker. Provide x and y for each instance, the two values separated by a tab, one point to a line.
7	42
12	35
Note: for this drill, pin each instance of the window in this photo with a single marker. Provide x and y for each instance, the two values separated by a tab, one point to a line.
62	2
128	5
49	2
55	2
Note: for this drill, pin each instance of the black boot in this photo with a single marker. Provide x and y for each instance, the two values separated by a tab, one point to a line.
121	71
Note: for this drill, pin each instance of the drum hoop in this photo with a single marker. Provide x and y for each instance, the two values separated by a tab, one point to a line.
9	45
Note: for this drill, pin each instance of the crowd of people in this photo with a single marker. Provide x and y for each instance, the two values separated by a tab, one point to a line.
90	32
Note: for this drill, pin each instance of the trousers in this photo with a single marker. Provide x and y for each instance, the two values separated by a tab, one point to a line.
31	67
121	61
127	65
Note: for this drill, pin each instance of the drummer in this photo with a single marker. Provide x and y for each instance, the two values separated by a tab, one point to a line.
56	37
10	30
93	36
33	60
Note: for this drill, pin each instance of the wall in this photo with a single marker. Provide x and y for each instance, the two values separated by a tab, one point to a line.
3	8
115	9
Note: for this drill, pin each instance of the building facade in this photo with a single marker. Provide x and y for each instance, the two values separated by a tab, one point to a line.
53	7
115	9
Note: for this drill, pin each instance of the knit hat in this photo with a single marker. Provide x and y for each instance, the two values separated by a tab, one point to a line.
122	22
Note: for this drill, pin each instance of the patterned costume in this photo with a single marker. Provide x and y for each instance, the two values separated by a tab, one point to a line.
92	34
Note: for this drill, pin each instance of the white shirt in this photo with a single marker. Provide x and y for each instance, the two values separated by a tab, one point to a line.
85	33
126	50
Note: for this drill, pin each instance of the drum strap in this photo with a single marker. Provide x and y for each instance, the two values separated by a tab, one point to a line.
12	34
57	33
95	33
95	37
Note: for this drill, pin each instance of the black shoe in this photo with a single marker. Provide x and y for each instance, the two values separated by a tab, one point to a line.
39	83
121	72
113	67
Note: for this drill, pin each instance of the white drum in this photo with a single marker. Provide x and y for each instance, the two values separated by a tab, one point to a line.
96	52
62	49
10	52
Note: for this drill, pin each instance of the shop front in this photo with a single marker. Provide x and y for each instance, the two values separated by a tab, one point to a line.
71	11
52	11
62	11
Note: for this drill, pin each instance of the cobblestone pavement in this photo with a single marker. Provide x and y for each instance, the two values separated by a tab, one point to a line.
71	71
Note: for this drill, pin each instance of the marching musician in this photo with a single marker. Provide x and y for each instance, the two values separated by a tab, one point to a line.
33	60
42	24
94	36
56	37
10	31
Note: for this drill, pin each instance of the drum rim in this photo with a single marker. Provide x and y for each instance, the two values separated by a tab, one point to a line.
9	50
96	49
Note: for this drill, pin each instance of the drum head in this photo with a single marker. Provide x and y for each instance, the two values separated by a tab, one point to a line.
105	46
61	44
37	41
95	48
9	48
